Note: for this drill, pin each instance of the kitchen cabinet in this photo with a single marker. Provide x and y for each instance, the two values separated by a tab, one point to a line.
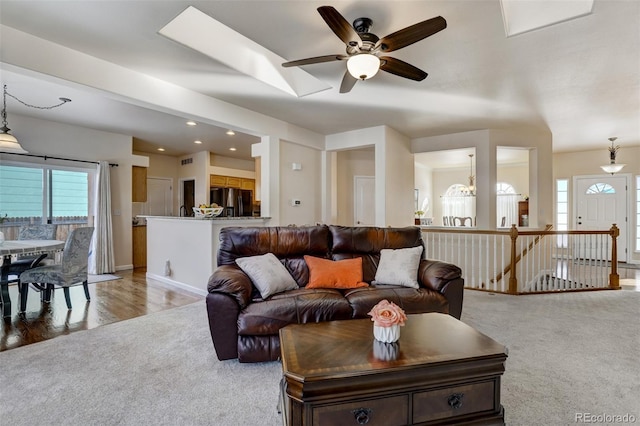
220	181
139	184
139	238
248	184
233	182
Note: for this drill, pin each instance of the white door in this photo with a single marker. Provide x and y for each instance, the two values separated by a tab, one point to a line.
601	202
364	206
159	197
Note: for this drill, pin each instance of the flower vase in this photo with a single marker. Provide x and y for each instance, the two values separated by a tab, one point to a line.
386	334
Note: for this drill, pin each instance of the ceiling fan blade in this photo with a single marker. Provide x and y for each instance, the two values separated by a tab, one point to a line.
412	34
315	60
348	81
340	26
401	68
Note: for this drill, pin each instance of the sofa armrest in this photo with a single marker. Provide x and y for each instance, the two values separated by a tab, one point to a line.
231	281
435	274
446	279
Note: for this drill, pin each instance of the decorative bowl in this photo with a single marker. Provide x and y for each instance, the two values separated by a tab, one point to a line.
202	213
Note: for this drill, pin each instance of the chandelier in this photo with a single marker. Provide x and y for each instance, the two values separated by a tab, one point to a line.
612	167
470	189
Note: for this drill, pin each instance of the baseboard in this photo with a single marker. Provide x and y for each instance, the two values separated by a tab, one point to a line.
124	267
175	284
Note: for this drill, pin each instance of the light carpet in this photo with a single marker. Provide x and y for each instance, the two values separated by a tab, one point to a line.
568	354
102	277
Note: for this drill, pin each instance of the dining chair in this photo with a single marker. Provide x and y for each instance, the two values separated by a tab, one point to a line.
73	270
31	232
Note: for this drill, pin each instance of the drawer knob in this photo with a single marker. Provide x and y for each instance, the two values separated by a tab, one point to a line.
455	400
362	415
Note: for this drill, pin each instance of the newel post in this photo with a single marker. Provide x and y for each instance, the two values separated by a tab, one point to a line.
614	278
513	281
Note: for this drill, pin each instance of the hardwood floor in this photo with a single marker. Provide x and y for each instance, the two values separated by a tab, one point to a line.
111	301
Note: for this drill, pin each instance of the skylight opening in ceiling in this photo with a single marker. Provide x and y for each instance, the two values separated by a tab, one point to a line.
202	33
521	16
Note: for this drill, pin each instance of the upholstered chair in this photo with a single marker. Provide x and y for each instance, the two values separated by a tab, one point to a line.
32	232
70	272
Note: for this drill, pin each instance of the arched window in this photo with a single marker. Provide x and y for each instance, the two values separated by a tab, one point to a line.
600	188
504	188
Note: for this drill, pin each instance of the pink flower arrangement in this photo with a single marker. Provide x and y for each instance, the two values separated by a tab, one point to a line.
386	314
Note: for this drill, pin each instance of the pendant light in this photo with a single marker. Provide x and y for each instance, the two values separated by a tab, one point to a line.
612	167
8	142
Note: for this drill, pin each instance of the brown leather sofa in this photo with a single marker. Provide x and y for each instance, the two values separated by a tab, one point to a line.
245	326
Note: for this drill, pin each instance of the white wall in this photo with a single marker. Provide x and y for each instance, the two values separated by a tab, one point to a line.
398	179
302	185
44	137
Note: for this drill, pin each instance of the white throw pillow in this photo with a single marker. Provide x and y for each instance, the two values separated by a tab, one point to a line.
399	267
267	273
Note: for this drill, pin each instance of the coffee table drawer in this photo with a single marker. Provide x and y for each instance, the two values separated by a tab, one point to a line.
389	411
453	401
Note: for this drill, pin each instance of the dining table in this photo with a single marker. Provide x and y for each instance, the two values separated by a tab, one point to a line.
8	249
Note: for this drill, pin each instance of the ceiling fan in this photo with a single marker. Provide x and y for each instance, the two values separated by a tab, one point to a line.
364	48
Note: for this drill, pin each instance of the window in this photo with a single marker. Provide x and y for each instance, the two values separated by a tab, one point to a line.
506	205
601	188
43	194
562	209
457	202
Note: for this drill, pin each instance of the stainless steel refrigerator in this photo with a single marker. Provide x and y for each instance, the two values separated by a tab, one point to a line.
236	202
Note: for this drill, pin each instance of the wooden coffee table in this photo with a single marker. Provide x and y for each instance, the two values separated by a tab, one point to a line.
441	371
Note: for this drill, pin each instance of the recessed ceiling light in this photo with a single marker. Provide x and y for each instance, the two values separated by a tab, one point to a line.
232	149
231	132
191	123
198	142
161	149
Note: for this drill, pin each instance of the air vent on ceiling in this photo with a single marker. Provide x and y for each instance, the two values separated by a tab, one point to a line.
186	161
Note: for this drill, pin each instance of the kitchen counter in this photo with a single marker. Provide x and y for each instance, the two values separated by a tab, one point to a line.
208	218
182	251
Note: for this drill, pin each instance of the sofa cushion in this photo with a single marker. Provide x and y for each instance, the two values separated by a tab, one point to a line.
325	273
267	274
399	267
411	300
367	241
289	244
293	307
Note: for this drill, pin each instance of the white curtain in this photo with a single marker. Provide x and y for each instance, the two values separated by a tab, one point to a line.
101	260
507	208
458	206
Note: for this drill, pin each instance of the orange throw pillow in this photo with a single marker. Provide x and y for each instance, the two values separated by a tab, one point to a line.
325	273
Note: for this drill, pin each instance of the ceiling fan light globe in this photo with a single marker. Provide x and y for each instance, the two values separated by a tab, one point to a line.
363	66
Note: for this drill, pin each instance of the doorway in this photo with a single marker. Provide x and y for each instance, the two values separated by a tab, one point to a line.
188	197
599	203
364	203
159	197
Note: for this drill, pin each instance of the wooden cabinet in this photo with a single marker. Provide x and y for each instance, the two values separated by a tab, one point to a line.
233	182
139	245
220	181
248	184
523	210
139	184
